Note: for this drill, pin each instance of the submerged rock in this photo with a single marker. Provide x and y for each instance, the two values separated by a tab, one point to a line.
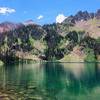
1	63
35	98
32	87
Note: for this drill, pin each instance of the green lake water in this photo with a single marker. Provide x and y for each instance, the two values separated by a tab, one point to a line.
51	81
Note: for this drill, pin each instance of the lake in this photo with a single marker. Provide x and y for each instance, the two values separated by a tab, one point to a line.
51	81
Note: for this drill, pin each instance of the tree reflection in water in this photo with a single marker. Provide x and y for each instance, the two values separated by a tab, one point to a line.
60	81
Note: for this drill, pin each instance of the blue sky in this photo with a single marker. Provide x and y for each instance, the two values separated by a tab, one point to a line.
43	11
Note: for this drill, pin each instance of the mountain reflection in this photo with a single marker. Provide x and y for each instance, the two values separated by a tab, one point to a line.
60	81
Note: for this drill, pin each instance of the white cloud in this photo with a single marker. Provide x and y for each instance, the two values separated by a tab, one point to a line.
6	10
40	17
60	18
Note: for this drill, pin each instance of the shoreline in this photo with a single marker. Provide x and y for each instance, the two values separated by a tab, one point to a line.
30	61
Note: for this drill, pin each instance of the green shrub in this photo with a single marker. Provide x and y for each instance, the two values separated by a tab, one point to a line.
90	56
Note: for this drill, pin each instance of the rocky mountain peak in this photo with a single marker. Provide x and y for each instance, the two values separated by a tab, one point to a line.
82	16
28	22
7	26
98	14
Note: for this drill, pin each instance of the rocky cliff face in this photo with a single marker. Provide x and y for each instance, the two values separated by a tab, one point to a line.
97	15
84	21
83	16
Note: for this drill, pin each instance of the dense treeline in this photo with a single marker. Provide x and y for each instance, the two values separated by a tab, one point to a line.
57	39
21	39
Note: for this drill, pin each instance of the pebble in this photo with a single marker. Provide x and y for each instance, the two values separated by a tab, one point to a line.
32	87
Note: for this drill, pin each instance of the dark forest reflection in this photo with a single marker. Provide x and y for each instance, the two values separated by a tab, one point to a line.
60	81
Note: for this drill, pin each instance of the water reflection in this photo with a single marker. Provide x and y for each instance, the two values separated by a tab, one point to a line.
60	81
54	78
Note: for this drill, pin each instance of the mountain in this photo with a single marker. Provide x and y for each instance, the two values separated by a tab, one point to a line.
21	42
84	16
97	15
76	39
7	26
28	22
90	22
